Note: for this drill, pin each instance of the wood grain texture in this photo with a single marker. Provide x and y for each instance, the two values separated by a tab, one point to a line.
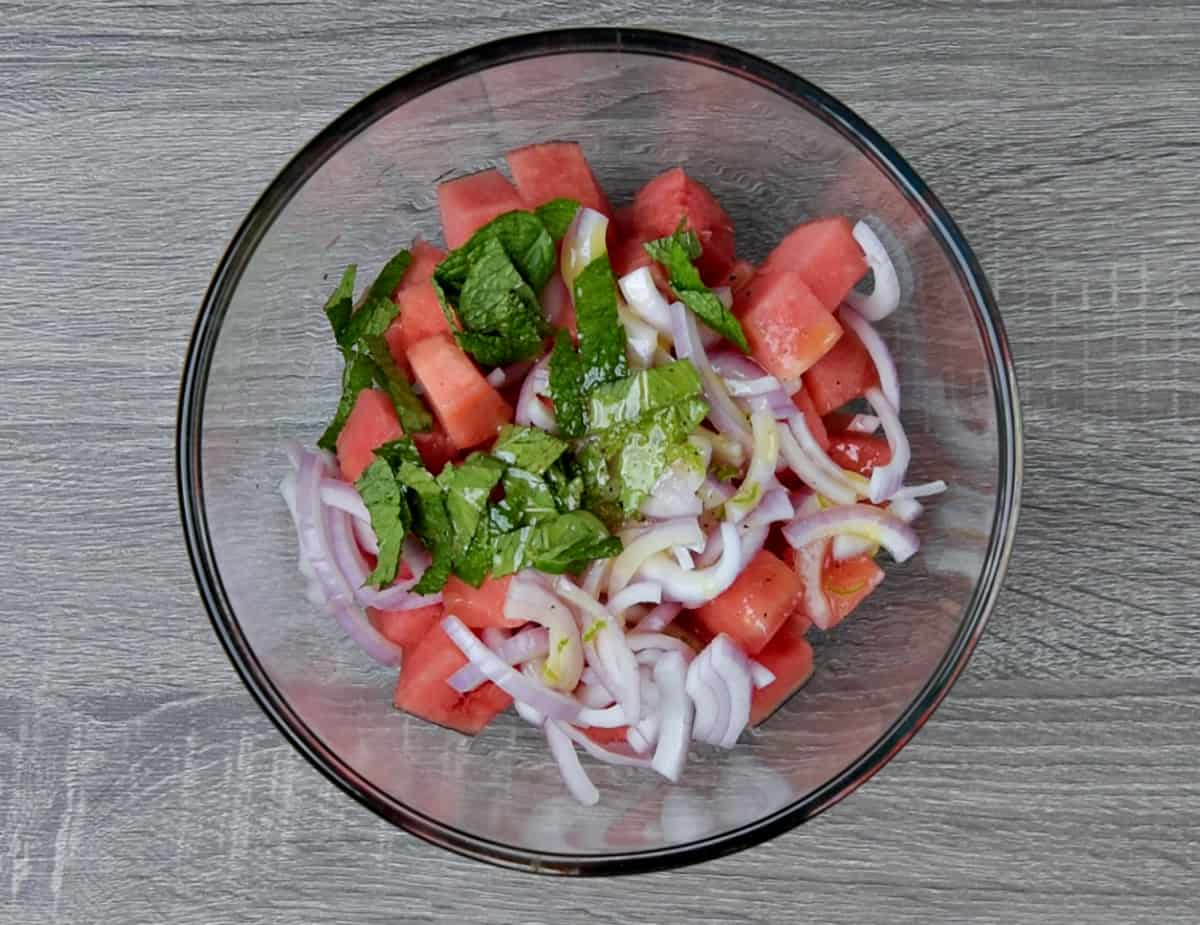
139	782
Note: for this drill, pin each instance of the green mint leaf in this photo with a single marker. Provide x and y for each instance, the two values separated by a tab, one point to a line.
467	488
566	484
677	253
398	452
431	524
524	239
527	498
557	215
565	543
566	387
358	374
645	450
473	567
340	305
528	448
601	334
601	487
371	320
390	518
414	416
629	399
388	280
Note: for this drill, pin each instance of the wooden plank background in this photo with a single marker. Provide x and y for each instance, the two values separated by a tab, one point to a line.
1057	785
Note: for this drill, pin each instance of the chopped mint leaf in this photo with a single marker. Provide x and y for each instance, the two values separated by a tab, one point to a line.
601	488
528	448
566	387
645	450
357	375
414	416
473	567
563	544
431	524
371	320
399	452
340	305
527	498
601	334
627	400
557	215
523	238
467	488
676	254
566	484
390	518
388	280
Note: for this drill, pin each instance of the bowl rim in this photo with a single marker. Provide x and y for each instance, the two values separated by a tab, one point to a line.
464	63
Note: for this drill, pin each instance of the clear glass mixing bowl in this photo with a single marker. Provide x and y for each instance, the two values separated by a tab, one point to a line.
262	370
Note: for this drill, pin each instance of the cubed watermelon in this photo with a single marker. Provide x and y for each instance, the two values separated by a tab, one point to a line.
846	585
825	255
425	258
740	276
790	658
420	316
469	203
816	425
435	449
860	453
842	375
468	408
755	606
422	689
405	627
478	607
664	201
371	423
556	170
787	327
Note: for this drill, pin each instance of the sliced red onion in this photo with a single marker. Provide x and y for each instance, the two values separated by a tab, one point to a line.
675	716
365	536
344	497
885	366
725	294
760	477
863	424
761	675
579	785
607	718
875	524
700	585
708	691
907	509
684	558
713	493
724	413
529	714
516	685
659	618
731	663
849	547
593	696
683	531
530	643
584	241
810	561
775	506
887	480
531	411
591	676
925	490
594	577
640	592
529	599
804	466
674	494
643	297
600	753
648	725
753	539
730	365
313	524
642	640
554	298
776	402
885	297
641	340
637	741
604	646
494	637
747	388
850	481
496	378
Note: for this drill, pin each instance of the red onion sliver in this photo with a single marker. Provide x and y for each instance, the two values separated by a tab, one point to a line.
683	531
887	529
529	599
574	776
761	675
851	482
775	506
640	592
584	241
810	561
863	424
600	753
809	472
593	696
529	714
644	298
660	642
659	618
885	297
887	480
733	667
699	585
724	294
554	298
675	716
496	378
724	413
637	741
365	536
885	366
530	410
345	497
607	718
514	683
760	476
924	490
532	642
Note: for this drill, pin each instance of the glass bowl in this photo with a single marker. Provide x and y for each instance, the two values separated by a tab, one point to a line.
262	370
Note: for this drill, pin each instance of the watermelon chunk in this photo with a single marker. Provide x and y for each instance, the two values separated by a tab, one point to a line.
405	627
425	258
468	408
755	606
860	453
787	327
790	658
420	316
422	689
825	255
478	607
740	276
846	585
371	423
816	424
469	203
664	201
555	170
435	449
842	375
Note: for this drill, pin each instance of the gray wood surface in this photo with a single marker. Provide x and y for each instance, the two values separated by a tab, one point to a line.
1059	782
